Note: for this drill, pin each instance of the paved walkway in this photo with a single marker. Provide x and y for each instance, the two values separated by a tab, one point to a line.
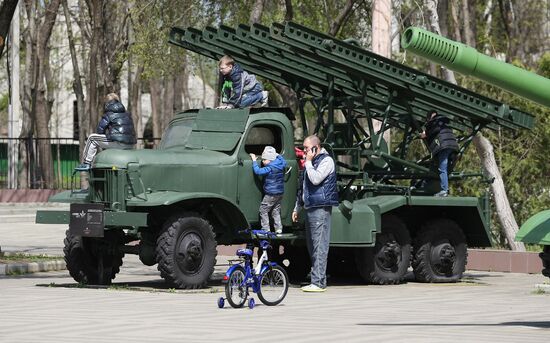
48	307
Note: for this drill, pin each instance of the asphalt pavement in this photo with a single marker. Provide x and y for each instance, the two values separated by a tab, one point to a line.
139	307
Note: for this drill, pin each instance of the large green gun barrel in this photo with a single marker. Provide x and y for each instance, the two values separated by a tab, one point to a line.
466	60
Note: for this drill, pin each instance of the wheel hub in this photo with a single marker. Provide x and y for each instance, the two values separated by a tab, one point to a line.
190	253
444	257
390	255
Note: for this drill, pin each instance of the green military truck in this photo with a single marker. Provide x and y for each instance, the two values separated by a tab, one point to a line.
172	206
464	59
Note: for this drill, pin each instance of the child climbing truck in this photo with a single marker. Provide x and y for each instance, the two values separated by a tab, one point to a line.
274	171
239	88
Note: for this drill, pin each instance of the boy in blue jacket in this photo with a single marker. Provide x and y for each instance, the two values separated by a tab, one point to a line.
274	172
240	89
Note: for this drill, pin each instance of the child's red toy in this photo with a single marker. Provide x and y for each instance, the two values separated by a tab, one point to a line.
300	154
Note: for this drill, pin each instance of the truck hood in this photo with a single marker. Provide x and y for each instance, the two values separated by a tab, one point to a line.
120	158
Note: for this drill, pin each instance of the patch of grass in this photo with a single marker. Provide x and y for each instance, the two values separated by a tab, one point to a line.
25	258
538	291
119	287
15	272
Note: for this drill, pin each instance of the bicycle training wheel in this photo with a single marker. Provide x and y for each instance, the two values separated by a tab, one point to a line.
273	286
235	288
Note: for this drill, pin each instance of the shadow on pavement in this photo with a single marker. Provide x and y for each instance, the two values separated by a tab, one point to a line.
541	325
159	285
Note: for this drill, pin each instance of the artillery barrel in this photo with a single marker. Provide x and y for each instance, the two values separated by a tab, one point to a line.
466	60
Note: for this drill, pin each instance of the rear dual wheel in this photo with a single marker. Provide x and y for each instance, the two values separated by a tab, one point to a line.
545	257
387	262
440	252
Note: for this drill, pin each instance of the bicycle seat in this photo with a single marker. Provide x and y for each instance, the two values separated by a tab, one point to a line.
245	252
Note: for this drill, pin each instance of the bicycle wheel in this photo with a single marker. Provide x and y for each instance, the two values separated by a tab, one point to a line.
235	288
273	286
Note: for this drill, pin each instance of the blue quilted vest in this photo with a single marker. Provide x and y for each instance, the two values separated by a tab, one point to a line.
323	194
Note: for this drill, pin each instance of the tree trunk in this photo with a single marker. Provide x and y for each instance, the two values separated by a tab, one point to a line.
504	212
289	11
256	12
468	33
93	102
454	16
178	92
134	99
154	89
6	13
488	19
26	153
431	7
77	82
40	106
442	10
485	151
381	41
168	102
185	85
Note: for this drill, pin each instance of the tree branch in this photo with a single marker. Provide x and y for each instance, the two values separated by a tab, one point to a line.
337	24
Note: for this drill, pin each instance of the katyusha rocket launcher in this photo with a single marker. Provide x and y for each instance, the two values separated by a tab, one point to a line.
467	61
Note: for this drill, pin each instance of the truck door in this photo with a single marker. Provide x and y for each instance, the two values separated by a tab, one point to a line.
249	185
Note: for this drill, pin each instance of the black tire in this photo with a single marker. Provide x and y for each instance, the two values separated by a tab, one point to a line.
545	257
91	260
440	252
273	286
186	252
299	263
387	262
236	290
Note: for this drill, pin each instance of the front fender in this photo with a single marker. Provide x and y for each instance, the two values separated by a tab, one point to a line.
159	198
224	208
265	267
536	229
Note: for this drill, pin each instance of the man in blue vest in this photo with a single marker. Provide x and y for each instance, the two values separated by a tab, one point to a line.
317	194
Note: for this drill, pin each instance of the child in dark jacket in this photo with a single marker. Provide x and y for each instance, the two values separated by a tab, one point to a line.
240	89
114	131
442	143
274	172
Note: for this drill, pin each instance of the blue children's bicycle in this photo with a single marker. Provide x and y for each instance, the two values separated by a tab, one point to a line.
267	279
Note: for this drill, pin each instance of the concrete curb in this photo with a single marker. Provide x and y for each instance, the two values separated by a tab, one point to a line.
31	267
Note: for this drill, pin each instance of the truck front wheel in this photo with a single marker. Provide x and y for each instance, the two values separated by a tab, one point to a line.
545	257
186	252
387	262
440	252
91	260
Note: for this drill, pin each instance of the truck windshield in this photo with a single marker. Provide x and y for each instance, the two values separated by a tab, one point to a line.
184	134
177	134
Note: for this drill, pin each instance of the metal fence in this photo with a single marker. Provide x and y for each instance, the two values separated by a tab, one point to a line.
65	157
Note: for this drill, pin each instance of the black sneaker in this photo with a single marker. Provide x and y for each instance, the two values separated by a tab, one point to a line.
83	167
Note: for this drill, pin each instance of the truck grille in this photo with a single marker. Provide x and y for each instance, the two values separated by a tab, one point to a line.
107	186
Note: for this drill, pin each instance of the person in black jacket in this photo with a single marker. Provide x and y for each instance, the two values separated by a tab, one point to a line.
442	143
114	131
